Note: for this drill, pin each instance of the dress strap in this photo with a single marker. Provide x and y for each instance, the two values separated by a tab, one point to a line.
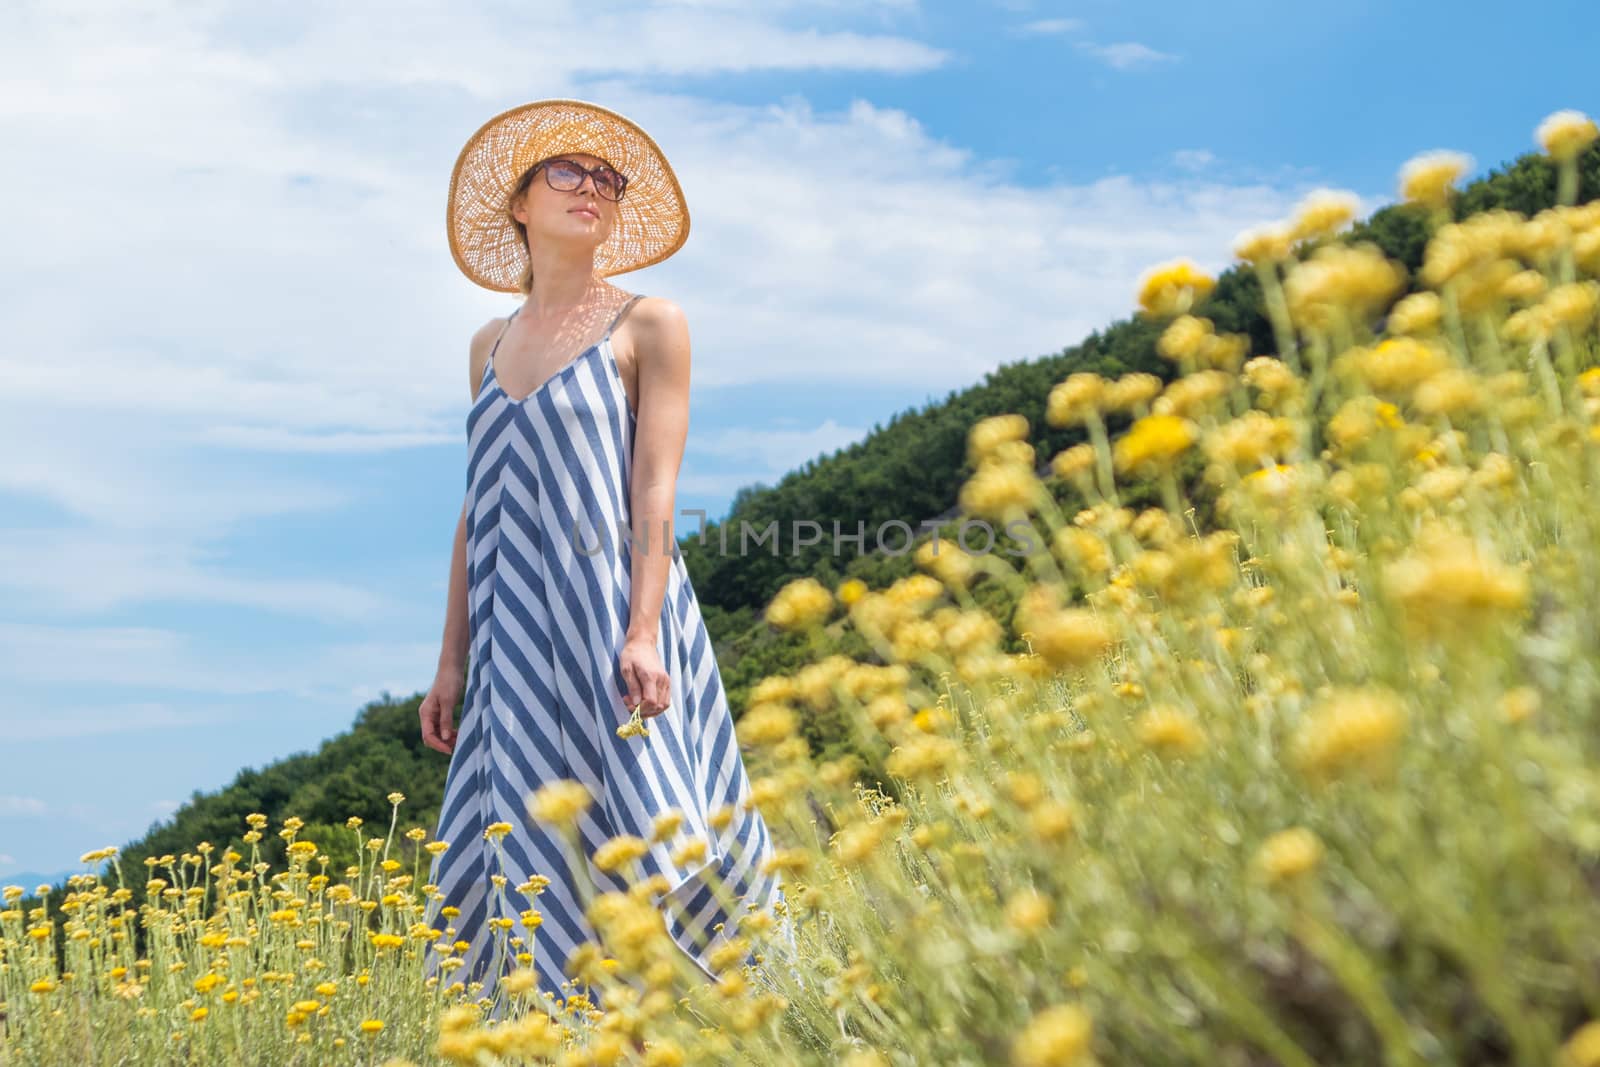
496	346
632	300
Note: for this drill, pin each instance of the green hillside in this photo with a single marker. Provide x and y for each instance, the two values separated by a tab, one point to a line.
908	469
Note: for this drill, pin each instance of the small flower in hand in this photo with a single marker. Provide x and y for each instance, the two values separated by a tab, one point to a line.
634	726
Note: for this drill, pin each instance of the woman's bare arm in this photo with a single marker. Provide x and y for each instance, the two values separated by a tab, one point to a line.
439	706
453	654
661	354
453	651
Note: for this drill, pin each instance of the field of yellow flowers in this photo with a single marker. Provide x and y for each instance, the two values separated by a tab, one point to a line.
1317	784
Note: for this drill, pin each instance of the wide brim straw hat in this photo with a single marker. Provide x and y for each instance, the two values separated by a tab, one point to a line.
652	219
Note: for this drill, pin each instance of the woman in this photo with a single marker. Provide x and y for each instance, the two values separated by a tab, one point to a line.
566	584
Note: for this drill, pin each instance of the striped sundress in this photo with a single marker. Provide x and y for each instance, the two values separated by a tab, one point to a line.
548	553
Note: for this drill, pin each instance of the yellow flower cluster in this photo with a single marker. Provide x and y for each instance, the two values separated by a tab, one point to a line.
560	802
1351	729
1153	443
1174	287
800	605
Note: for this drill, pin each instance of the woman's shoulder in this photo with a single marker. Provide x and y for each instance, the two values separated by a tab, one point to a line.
484	336
657	342
478	348
658	316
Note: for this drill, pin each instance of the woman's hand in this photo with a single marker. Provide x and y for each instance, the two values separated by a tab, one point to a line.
439	711
644	676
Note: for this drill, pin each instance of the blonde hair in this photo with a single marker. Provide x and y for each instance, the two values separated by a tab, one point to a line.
518	191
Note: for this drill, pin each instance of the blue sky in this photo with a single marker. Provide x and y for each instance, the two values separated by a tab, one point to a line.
233	376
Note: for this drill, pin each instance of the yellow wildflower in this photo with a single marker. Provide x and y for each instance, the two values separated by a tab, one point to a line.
1084	551
1265	243
1429	179
560	802
1350	728
800	605
1519	704
1397	365
1447	584
988	434
1525	286
1252	440
1169	729
1354	279
1131	391
855	843
1000	490
1573	305
924	756
1182	339
1076	400
1071	637
1074	461
1454	391
1154	441
1416	314
790	860
1194	394
1055	1037
1582	1049
619	851
1288	854
1051	820
768	723
1172	288
1274	380
1028	911
1564	134
1323	213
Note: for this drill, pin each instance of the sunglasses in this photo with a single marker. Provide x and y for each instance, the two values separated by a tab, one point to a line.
565	175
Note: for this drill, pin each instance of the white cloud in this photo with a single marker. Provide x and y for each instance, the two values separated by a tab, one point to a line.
87	572
6	859
1193	158
1125	54
13	805
59	723
724	484
123	657
780	450
1050	26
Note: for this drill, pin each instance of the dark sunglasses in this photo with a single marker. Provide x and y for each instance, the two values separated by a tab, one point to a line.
565	175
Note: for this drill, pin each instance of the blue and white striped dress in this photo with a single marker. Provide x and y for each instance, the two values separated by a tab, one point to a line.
548	612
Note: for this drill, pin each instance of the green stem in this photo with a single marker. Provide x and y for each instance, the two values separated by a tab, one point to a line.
1248	1014
1358	977
1278	313
1102	455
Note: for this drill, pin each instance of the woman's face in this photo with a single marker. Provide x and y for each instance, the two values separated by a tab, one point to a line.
580	212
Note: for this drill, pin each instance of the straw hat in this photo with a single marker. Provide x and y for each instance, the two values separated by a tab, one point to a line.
652	220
